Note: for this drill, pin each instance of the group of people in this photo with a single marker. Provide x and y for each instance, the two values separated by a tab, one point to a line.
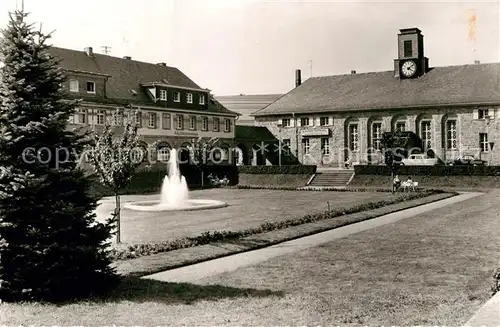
396	183
217	181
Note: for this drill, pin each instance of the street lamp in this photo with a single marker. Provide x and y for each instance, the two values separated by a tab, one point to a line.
279	145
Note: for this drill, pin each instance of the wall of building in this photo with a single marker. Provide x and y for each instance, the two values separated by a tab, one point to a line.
467	137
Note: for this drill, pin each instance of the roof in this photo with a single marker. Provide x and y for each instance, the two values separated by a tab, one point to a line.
247	104
253	134
452	85
126	75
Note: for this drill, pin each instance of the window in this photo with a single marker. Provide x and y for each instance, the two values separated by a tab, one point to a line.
152	120
451	134
73	86
81	116
400	126
325	145
138	119
426	134
202	99
285	122
483	142
227	125
163	154
90	87
189	98
353	137
192	123
285	144
166	121
163	95
216	124
483	113
101	116
179	122
408	49
304	121
377	136
204	124
306	145
117	118
177	97
323	121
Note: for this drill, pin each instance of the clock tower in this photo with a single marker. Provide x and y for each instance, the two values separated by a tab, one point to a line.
411	62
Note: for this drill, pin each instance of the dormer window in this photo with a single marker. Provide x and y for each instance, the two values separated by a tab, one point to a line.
177	97
73	85
91	87
202	99
163	95
189	97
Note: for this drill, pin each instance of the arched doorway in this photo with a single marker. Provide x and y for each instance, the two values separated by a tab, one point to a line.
183	153
241	154
258	155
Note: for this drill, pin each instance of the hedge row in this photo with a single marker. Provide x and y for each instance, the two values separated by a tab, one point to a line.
149	180
139	250
329	189
287	169
437	170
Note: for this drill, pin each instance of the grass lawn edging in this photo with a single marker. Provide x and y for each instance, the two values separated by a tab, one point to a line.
138	259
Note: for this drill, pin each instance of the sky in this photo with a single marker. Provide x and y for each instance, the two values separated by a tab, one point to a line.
253	47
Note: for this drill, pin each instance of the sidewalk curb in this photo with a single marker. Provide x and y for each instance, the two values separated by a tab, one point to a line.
488	314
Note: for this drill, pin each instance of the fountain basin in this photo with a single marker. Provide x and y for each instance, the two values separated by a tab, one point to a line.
187	205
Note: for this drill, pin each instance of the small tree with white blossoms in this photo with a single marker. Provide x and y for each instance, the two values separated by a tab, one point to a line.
200	152
115	158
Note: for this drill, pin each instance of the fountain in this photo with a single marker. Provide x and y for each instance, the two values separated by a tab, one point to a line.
174	194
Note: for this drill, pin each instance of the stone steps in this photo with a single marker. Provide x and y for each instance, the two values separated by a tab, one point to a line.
331	178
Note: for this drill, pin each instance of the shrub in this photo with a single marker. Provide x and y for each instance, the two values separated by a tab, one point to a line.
288	169
437	170
496	282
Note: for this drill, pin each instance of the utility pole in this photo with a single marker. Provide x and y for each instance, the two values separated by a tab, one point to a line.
106	49
22	5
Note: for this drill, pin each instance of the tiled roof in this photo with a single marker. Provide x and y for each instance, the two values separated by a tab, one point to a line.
452	85
253	134
127	75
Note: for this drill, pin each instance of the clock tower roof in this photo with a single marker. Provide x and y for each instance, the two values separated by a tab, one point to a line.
412	30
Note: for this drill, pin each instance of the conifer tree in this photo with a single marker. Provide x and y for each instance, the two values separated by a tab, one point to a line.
51	247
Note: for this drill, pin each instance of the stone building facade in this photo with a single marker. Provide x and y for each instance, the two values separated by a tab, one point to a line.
329	120
172	110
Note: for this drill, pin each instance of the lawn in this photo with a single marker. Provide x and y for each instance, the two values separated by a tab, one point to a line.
247	208
433	269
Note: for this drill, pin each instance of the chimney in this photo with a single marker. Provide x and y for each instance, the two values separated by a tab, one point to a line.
476	62
127	57
298	78
162	64
353	72
89	51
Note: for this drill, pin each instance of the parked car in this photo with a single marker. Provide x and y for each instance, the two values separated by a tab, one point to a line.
419	159
468	160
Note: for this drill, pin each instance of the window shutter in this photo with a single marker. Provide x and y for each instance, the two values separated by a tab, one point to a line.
280	121
476	114
299	122
318	121
330	121
292	122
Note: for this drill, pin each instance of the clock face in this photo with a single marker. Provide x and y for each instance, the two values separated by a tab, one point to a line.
409	68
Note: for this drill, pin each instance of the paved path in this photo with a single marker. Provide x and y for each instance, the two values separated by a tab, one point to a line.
214	267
